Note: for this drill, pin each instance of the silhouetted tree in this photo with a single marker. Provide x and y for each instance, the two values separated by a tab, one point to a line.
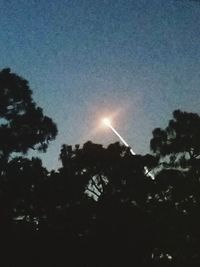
180	140
101	208
116	227
23	124
176	201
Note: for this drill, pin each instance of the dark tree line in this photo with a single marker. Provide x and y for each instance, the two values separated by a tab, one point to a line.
101	208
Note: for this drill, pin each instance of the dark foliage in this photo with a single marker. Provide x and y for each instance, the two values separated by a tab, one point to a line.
23	125
181	136
101	208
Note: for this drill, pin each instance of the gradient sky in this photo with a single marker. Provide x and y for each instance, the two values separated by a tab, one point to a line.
136	60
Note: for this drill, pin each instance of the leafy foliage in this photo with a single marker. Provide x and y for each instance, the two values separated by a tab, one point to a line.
23	125
181	135
100	208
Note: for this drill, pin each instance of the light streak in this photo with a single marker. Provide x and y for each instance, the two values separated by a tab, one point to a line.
121	138
107	122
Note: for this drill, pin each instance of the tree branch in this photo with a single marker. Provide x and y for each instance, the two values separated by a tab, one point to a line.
97	188
91	191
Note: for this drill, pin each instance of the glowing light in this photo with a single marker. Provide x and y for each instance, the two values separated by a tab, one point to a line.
106	121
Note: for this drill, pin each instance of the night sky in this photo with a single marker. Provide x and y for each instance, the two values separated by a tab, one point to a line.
136	61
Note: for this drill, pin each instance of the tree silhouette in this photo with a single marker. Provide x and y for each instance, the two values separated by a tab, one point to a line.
176	200
180	139
100	208
23	124
116	227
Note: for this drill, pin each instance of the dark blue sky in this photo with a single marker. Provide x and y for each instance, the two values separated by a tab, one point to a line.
138	60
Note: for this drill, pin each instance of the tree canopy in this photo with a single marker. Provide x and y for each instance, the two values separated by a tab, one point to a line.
23	124
100	208
181	136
